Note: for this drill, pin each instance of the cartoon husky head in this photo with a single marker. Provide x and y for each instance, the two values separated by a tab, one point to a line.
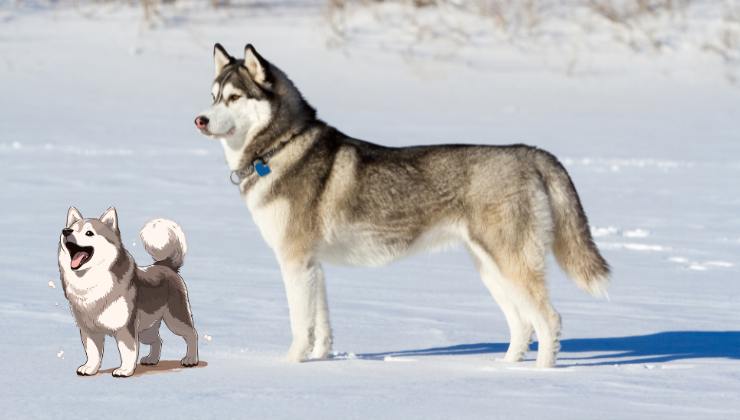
253	102
85	244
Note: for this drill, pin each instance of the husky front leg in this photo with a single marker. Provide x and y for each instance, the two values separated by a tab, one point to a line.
128	347
302	278
93	344
322	327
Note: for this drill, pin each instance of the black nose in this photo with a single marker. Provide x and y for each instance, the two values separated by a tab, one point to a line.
201	121
66	231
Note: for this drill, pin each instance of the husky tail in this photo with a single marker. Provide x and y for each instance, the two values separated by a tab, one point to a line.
573	246
164	240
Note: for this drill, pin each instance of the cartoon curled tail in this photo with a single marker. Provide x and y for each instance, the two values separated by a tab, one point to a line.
165	241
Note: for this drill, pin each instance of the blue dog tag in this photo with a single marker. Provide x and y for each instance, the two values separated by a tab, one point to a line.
261	168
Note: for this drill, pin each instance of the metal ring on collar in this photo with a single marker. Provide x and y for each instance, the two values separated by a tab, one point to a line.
235	178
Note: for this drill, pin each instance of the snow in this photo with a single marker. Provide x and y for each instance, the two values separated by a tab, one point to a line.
97	110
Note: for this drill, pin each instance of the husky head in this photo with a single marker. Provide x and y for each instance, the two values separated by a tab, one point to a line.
88	243
254	103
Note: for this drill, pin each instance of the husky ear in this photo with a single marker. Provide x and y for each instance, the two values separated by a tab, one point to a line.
220	58
256	65
110	218
73	215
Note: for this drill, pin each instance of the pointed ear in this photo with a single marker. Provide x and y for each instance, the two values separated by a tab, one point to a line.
73	215
220	58
256	65
110	218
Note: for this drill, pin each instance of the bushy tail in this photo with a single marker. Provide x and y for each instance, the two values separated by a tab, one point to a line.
164	240
573	245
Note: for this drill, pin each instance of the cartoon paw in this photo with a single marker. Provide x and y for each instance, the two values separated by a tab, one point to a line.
149	360
122	373
189	361
86	370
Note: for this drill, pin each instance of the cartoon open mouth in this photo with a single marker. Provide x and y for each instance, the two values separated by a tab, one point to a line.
80	254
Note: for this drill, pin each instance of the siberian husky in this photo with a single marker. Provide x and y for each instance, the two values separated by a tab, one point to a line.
110	295
318	195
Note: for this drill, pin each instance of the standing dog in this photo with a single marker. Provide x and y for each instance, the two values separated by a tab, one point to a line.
318	195
110	295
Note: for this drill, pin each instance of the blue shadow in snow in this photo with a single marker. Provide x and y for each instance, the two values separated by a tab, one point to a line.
652	348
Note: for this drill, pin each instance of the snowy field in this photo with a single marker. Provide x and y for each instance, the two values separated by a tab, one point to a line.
96	110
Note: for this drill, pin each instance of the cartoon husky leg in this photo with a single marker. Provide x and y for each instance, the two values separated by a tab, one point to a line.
304	288
178	319
520	329
128	347
150	337
93	344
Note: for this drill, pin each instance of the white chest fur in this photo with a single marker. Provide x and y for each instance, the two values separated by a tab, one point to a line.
90	289
99	301
116	314
271	217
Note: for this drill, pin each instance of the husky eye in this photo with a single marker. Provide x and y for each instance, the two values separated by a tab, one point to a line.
233	98
89	233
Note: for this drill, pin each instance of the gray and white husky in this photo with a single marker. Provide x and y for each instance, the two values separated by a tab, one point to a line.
318	195
110	295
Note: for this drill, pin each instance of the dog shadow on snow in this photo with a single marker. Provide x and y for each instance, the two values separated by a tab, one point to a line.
164	366
660	347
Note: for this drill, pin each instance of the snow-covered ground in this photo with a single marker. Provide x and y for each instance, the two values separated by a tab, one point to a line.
96	110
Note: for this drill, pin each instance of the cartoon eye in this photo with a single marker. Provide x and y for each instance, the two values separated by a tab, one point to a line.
233	98
89	233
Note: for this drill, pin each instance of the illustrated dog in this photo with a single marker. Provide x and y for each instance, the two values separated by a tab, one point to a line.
318	195
110	295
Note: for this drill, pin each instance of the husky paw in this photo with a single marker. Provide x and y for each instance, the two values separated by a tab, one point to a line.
298	352
149	361
321	349
122	373
86	370
189	361
545	363
513	358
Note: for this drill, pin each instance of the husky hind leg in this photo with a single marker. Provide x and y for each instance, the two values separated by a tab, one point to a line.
179	320
151	337
520	329
518	234
534	304
525	270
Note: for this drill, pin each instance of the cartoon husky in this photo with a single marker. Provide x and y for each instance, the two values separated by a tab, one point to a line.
110	295
318	195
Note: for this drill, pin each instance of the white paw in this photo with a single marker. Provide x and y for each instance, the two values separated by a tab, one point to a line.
321	348
123	373
545	363
149	360
189	361
298	352
86	370
513	357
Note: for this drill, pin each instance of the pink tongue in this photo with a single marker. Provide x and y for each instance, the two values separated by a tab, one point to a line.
78	259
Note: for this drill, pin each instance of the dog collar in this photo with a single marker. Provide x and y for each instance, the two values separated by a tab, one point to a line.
259	165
